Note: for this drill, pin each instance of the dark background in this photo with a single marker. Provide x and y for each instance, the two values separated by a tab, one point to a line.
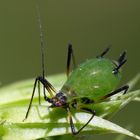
90	25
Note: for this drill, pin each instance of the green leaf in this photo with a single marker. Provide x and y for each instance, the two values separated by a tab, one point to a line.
46	123
137	99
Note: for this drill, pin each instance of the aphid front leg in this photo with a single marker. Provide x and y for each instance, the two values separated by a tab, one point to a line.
124	88
39	97
71	120
69	57
49	88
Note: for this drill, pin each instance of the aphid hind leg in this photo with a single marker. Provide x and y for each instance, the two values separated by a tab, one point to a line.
71	121
70	56
124	88
49	88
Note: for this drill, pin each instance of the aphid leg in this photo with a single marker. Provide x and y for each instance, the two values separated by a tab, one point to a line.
71	121
31	99
69	57
49	88
104	52
39	97
124	88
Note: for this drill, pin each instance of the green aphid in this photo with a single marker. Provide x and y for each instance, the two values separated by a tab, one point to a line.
89	83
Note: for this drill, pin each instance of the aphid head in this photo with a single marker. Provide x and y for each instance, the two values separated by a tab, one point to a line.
58	100
120	62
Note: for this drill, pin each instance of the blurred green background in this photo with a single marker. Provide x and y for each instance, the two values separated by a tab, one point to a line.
89	25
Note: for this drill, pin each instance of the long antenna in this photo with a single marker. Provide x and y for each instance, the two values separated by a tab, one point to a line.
42	52
41	42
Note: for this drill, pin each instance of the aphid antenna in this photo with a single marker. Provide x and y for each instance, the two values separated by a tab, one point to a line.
42	48
104	52
41	41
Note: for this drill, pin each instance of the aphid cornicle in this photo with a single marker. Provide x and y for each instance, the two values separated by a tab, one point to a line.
90	82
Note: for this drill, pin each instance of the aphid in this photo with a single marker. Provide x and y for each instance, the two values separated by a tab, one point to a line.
90	82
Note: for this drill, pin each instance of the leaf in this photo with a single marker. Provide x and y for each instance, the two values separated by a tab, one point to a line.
35	128
123	137
43	122
21	91
137	99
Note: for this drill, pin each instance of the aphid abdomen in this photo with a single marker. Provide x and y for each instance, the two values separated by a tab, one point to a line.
92	79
